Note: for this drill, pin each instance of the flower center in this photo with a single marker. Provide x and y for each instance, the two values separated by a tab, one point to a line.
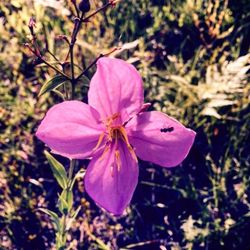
114	133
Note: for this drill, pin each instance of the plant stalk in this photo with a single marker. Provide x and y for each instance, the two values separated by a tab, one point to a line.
67	215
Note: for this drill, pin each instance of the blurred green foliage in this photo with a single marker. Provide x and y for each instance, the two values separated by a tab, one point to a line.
194	58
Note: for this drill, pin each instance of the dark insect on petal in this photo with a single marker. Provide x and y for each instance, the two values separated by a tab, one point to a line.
165	130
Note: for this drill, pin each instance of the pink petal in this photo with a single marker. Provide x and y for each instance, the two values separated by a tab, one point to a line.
159	138
109	187
71	129
116	86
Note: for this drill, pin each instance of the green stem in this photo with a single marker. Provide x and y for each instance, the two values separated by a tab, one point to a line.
71	170
65	216
64	234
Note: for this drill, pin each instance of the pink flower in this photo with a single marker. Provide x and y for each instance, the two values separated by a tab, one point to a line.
112	130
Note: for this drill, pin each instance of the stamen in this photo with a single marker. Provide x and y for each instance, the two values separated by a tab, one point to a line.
125	139
115	132
132	152
124	136
118	159
108	122
106	149
99	141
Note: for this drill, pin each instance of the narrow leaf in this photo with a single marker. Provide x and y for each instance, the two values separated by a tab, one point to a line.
59	93
52	215
79	174
75	213
53	83
71	220
57	169
65	201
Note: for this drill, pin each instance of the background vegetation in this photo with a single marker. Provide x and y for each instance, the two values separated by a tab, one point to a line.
194	58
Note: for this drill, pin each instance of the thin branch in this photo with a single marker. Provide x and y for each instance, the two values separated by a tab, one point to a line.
95	61
110	3
53	56
45	62
77	26
79	21
77	11
89	66
71	52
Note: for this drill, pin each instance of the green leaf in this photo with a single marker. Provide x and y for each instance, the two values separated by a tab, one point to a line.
100	243
53	216
53	83
59	241
71	220
75	213
80	173
57	169
65	201
59	93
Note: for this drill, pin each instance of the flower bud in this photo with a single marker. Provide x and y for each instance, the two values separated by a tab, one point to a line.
32	25
32	22
84	6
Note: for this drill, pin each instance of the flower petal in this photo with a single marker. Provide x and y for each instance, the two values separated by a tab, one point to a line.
116	86
111	186
71	129
159	138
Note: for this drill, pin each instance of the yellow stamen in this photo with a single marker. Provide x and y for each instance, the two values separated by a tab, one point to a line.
113	133
106	149
132	152
118	160
99	141
124	135
125	139
110	120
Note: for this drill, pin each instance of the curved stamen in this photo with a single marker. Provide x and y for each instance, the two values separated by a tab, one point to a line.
100	140
118	160
125	139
